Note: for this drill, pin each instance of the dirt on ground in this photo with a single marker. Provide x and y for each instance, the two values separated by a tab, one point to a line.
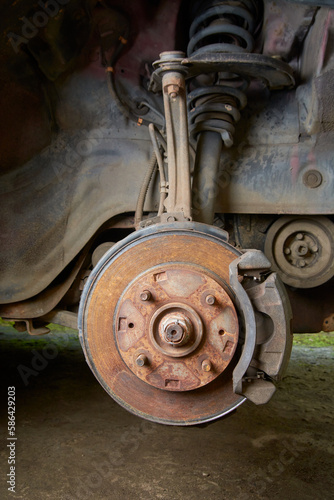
74	442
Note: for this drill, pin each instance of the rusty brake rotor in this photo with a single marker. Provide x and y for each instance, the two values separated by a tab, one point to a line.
159	326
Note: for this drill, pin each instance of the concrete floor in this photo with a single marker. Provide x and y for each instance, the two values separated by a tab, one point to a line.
74	442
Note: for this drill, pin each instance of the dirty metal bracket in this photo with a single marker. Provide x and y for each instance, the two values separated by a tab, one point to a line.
258	363
275	73
30	327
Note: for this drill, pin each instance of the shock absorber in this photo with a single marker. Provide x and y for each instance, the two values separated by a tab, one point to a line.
219	28
219	52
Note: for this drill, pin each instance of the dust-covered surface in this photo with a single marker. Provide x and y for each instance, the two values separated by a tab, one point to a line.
74	442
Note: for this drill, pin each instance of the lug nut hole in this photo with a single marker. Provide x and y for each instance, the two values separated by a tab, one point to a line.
131	325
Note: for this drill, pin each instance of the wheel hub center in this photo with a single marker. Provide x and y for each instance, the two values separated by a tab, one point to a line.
175	329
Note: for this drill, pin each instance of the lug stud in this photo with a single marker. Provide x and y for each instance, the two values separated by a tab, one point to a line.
210	299
206	365
141	360
145	295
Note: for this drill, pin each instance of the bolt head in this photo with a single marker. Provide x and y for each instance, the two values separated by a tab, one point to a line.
299	236
287	251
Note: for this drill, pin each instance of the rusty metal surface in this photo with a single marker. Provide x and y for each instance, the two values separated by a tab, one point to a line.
274	73
169	327
116	360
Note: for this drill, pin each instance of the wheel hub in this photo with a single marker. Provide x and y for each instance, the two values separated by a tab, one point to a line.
177	329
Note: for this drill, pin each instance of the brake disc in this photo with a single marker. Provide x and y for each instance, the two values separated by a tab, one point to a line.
162	322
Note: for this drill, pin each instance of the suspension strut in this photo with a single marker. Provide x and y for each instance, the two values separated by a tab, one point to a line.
214	109
220	46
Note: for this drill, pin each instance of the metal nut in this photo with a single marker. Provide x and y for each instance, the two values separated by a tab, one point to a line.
176	329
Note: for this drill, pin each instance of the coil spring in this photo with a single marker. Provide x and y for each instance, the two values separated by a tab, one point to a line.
226	27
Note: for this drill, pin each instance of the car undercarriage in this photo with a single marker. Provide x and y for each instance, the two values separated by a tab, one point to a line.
166	188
